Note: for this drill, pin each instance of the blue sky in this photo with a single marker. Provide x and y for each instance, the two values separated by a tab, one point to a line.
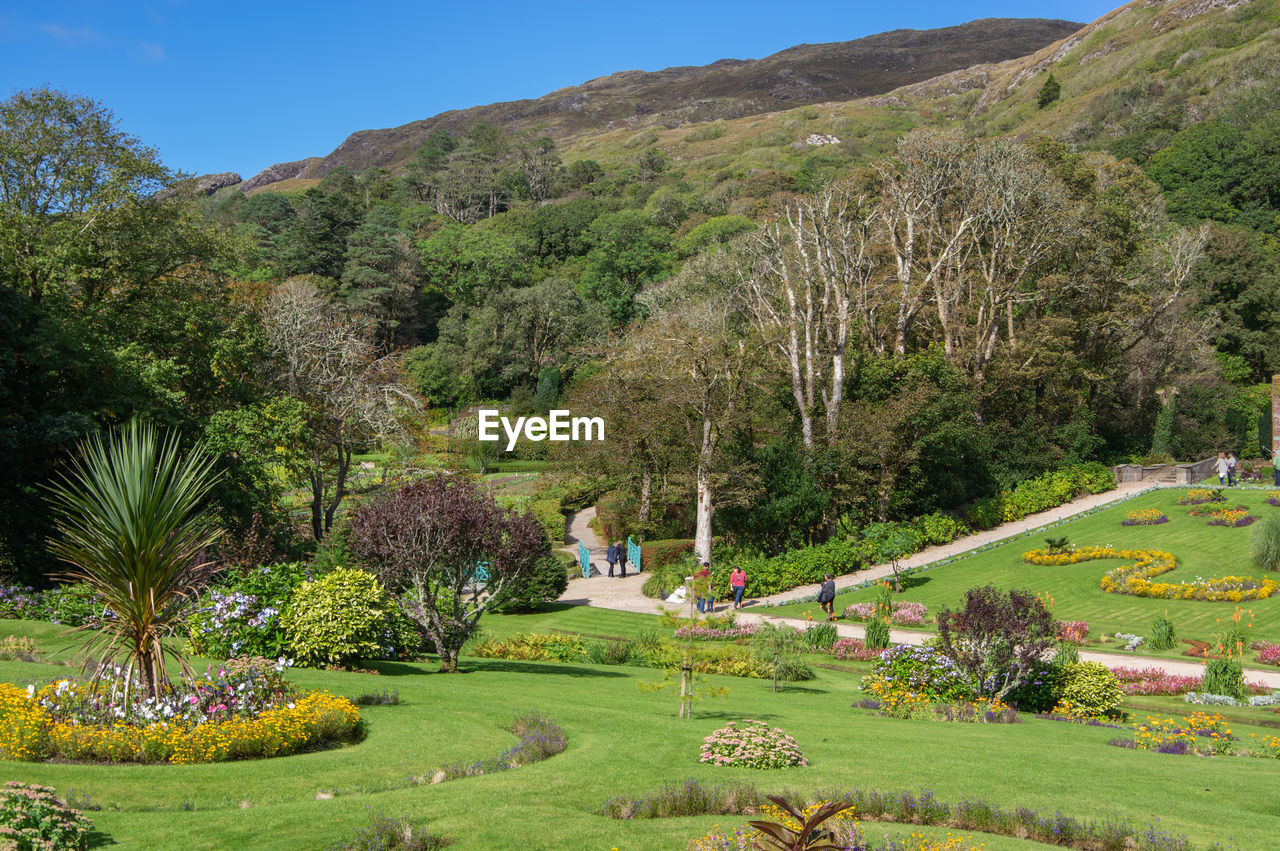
237	86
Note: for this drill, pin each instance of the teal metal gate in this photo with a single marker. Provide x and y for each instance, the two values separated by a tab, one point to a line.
633	555
584	560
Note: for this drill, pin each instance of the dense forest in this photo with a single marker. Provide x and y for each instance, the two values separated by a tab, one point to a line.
854	335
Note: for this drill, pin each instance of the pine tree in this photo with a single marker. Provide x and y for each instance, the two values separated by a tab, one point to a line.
1049	92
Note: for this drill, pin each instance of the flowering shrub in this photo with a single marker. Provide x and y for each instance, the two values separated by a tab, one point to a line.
1144	517
855	649
1268	653
917	670
19	601
904	613
752	745
39	725
1074	632
1135	578
34	817
242	618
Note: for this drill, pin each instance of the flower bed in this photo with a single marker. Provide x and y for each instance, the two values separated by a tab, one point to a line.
920	671
707	633
1144	517
904	613
1273	498
752	745
1199	496
1135	578
1235	518
1154	681
1268	653
241	713
854	649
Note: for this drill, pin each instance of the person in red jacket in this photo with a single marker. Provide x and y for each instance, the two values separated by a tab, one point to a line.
738	582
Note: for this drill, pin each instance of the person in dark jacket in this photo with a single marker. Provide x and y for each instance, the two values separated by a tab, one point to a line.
622	557
612	557
827	596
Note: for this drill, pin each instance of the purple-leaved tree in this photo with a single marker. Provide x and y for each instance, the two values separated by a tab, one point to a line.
434	542
999	639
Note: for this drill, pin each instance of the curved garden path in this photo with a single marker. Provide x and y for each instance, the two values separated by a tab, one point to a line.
625	594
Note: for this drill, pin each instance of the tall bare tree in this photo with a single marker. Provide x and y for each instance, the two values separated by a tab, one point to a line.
811	290
329	362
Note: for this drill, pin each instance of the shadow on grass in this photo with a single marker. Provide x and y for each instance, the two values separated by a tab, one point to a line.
509	667
97	839
699	714
802	689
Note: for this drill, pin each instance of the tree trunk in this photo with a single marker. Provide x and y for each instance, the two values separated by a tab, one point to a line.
317	503
646	496
706	506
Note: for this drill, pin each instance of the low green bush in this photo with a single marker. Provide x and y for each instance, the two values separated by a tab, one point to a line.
820	637
938	528
344	618
1224	676
1264	542
551	517
1162	634
877	634
533	590
1091	688
657	554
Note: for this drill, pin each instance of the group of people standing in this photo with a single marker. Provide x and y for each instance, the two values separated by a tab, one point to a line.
617	557
705	597
1226	467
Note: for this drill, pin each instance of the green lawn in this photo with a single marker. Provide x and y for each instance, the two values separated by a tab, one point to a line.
1202	550
626	741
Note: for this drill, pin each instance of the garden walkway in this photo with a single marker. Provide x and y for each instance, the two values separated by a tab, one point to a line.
625	594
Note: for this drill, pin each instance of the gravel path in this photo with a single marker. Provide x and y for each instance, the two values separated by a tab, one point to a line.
625	595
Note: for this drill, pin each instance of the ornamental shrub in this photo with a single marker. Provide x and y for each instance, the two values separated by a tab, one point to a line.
1162	633
1224	676
1091	688
752	744
1265	543
344	618
242	617
528	592
535	647
938	528
656	554
550	515
920	670
820	637
877	633
34	817
997	639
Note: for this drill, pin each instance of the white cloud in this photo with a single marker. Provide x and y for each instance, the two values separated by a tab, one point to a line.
70	36
150	52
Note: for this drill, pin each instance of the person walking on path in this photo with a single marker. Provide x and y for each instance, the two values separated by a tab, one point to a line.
1222	467
622	558
1231	469
702	588
612	557
827	596
738	582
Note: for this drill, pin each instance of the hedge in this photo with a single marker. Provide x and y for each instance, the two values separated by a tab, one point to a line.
549	512
1040	494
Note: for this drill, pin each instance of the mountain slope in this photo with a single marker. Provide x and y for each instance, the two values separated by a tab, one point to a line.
726	89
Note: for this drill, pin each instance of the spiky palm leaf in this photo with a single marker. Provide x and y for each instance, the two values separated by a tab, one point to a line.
810	837
132	522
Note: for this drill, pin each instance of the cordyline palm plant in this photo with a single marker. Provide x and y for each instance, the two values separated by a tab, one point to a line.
809	836
132	521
